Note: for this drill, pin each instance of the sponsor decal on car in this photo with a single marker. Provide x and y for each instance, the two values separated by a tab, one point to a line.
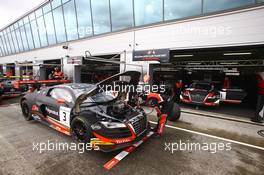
50	111
123	141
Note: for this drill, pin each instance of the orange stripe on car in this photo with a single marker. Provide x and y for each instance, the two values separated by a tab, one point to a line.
117	141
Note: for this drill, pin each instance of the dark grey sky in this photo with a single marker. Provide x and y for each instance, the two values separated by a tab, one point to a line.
10	10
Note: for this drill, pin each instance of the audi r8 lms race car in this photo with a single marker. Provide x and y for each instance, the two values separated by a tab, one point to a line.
233	95
89	114
201	93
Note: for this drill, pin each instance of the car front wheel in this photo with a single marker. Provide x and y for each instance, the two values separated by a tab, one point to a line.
81	129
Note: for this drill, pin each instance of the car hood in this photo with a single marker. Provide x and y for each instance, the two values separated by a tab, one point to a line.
134	80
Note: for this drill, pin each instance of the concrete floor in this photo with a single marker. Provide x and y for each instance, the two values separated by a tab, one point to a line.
17	156
233	110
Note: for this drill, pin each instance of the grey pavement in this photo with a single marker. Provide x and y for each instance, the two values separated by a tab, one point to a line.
153	157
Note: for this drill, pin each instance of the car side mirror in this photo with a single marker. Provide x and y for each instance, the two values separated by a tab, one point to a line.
60	101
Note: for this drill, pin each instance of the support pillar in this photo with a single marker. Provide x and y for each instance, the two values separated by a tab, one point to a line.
39	72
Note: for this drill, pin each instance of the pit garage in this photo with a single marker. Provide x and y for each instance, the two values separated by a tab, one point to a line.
47	67
230	70
10	69
25	69
97	68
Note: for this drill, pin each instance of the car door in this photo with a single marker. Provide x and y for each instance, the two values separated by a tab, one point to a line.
57	105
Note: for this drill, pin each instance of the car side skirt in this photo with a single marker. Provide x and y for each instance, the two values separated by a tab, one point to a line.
51	123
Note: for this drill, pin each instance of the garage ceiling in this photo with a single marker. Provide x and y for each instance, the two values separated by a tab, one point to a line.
224	53
218	58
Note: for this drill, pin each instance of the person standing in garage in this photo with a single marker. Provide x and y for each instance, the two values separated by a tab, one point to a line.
57	74
226	83
177	90
260	102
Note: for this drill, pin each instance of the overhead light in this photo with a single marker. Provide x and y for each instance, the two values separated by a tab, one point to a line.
234	70
194	63
178	56
242	53
229	63
233	73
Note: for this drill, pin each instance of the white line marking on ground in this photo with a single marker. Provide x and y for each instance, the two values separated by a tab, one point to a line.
220	117
212	136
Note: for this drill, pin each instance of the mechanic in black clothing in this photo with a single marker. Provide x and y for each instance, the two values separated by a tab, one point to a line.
133	95
260	103
177	91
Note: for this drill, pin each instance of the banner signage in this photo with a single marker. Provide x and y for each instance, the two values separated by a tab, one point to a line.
160	55
75	60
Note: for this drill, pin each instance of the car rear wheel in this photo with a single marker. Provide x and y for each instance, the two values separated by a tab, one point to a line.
81	129
26	111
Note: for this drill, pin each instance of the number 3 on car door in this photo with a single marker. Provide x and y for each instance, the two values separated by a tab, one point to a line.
65	116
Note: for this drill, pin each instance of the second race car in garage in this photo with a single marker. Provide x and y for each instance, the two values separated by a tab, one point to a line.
201	93
8	89
92	115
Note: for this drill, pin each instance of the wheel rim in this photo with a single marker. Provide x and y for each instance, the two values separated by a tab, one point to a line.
79	131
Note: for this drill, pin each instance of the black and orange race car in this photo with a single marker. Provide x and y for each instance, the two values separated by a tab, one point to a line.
91	113
201	94
9	90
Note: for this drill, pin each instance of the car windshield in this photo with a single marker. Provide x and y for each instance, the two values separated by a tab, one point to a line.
201	86
103	97
79	89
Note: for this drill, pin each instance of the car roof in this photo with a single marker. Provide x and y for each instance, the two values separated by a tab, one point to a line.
76	86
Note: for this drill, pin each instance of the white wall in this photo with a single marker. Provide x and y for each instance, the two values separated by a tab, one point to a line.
244	27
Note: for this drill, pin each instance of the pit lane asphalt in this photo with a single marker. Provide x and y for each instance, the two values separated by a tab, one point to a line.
17	156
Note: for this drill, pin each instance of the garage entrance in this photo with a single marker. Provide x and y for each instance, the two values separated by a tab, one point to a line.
47	68
232	71
10	69
26	69
96	71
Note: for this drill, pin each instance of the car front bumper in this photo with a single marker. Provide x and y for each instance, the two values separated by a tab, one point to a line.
109	144
204	103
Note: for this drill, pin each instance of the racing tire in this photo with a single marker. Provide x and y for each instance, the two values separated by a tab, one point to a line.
174	112
26	111
81	129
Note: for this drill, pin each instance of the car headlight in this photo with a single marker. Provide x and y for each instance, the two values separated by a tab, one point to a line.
185	93
96	126
112	125
212	97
